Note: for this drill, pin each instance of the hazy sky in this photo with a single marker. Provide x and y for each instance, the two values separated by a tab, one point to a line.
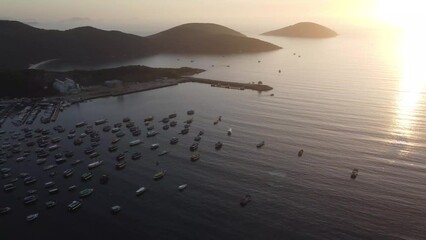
154	15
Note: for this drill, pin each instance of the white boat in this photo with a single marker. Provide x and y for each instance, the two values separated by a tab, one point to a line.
135	142
182	187
230	132
100	122
115	209
155	146
163	153
94	164
32	217
74	205
140	191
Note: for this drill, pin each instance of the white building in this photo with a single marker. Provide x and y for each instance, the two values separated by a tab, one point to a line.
113	83
66	87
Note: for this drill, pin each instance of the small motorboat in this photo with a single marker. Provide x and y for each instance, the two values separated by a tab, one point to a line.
53	191
74	205
184	131
230	132
195	157
190	112
120	157
50	204
86	192
94	164
300	153
72	188
5	210
32	217
115	141
164	152
136	155
86	176
135	142
245	200
354	173
140	191
155	146
259	145
104	179
218	145
197	138
120	165
182	187
193	147
115	209
174	140
160	175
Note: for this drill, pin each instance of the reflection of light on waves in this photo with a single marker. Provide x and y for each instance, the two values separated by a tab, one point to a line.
411	86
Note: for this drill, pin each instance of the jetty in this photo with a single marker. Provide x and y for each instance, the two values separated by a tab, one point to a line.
231	85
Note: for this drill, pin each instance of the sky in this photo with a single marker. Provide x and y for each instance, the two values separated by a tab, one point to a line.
145	16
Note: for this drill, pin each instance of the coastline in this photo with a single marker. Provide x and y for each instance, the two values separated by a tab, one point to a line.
95	92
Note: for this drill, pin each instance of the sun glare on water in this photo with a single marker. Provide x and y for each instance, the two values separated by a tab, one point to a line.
408	17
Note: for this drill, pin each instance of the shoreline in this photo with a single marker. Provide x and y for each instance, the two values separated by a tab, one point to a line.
95	92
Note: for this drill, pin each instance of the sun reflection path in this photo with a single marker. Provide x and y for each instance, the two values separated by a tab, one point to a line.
412	83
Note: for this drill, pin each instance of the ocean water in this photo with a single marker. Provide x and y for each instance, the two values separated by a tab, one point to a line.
355	101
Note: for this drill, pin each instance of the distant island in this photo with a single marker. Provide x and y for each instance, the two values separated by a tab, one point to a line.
303	30
22	45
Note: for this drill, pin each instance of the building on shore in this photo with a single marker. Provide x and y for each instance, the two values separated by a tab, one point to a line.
68	86
113	83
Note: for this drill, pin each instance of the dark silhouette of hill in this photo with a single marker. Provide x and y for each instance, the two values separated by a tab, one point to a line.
206	38
303	30
21	44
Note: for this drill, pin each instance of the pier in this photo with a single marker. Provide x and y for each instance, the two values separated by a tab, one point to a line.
230	85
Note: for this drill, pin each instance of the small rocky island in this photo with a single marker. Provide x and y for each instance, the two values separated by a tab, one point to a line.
303	30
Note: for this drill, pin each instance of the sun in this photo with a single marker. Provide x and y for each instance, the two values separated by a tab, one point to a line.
400	13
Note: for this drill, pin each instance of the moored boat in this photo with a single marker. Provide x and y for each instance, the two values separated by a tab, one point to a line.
154	146
100	122
182	187
259	145
5	210
135	142
229	131
245	200
115	209
354	173
104	179
120	165
86	176
160	175
136	155
94	164
32	217
151	133
86	192
74	205
300	153
195	157
193	147
218	145
174	140
68	173
164	152
50	204
140	191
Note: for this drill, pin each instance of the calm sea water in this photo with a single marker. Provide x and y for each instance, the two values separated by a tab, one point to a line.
355	101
